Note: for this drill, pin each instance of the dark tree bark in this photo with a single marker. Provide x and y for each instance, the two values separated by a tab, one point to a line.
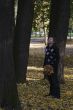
22	38
8	89
59	21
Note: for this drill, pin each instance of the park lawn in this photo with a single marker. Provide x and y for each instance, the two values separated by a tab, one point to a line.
70	41
32	94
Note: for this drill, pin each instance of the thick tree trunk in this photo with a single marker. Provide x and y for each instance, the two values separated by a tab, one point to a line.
59	21
61	63
8	89
22	38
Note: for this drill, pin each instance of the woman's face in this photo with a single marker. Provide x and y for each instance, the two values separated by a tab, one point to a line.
50	40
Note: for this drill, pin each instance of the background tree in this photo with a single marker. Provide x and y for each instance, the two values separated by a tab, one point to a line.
8	89
22	38
71	20
41	16
58	28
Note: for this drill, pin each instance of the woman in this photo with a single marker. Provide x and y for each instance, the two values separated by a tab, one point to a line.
52	58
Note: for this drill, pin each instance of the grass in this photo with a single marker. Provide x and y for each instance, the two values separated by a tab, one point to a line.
70	41
32	95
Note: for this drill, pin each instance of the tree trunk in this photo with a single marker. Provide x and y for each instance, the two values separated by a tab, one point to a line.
8	89
59	21
61	63
22	38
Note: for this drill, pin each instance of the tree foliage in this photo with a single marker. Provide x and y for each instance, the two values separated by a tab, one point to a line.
41	15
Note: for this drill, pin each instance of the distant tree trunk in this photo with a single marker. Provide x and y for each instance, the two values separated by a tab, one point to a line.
39	32
70	33
8	89
22	38
43	21
59	21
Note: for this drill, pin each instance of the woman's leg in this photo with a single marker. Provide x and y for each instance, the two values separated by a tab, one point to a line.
54	86
50	82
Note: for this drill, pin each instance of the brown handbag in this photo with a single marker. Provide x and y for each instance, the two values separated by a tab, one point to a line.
48	70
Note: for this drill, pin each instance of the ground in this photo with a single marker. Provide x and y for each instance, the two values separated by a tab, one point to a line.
32	94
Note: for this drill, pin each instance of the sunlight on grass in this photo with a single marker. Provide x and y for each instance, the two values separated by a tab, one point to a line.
32	79
69	93
37	45
68	69
69	76
34	68
69	73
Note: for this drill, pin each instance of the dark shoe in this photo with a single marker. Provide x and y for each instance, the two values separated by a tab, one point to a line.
57	97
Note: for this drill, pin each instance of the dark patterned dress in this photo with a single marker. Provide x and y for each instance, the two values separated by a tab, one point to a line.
52	58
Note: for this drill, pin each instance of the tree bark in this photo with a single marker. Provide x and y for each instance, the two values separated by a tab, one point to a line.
22	38
59	21
8	88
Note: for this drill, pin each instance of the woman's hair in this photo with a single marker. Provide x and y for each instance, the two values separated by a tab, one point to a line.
53	40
